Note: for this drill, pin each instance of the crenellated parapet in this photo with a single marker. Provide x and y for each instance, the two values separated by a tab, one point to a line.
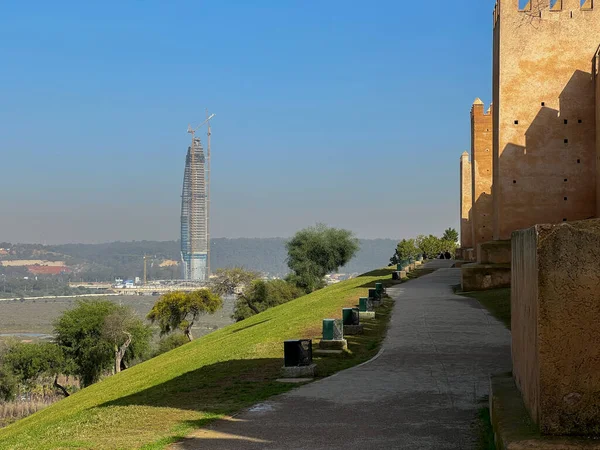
544	143
545	9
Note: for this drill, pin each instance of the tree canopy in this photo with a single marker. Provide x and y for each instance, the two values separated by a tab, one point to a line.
88	335
406	249
316	251
232	280
180	310
430	246
262	295
450	235
30	362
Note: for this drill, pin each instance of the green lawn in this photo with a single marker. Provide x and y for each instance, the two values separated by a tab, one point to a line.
159	401
496	301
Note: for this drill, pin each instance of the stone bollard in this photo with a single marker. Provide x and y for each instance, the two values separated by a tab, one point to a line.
555	304
375	297
333	341
365	307
351	320
297	359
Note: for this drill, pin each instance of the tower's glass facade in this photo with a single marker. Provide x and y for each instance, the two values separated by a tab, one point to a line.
194	216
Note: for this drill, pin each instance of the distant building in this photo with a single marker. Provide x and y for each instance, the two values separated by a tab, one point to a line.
48	270
194	216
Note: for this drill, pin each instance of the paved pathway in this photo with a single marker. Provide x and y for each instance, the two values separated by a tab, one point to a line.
422	392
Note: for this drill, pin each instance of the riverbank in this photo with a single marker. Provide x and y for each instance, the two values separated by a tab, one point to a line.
36	316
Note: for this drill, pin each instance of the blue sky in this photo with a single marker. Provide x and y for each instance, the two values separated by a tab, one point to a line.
345	112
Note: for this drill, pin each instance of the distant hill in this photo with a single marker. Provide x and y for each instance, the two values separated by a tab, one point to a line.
264	255
125	259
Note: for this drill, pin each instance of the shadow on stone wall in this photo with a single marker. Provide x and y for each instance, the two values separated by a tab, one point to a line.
552	177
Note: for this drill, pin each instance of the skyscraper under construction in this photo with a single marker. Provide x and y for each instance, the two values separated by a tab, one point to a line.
194	215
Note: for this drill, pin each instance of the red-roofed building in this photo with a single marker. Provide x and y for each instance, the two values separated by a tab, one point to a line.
48	270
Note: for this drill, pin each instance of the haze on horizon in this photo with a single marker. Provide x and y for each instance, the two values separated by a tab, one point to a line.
329	112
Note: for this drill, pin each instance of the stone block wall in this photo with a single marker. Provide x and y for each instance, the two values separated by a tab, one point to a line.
555	301
481	167
494	252
466	231
544	145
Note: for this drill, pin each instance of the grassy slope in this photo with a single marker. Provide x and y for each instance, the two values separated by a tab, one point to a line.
162	399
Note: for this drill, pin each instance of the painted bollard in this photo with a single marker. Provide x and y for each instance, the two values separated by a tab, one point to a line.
379	288
333	341
333	330
351	320
298	359
363	304
347	316
297	352
328	325
375	297
365	307
355	316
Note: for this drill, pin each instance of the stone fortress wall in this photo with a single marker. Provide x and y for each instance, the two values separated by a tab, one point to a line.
545	141
481	151
542	124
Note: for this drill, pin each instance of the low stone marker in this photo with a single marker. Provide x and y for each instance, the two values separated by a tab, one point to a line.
351	320
403	265
491	270
297	359
375	297
555	306
399	275
365	307
333	341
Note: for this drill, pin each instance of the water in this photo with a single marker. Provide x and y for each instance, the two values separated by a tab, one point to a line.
33	319
27	335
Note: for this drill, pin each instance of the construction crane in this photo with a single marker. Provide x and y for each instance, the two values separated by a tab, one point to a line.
192	131
145	271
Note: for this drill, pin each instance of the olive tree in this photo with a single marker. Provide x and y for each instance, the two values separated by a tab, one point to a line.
30	362
316	251
406	249
262	295
92	333
180	310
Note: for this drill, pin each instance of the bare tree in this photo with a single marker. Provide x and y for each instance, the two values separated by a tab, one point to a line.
182	309
235	281
115	330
